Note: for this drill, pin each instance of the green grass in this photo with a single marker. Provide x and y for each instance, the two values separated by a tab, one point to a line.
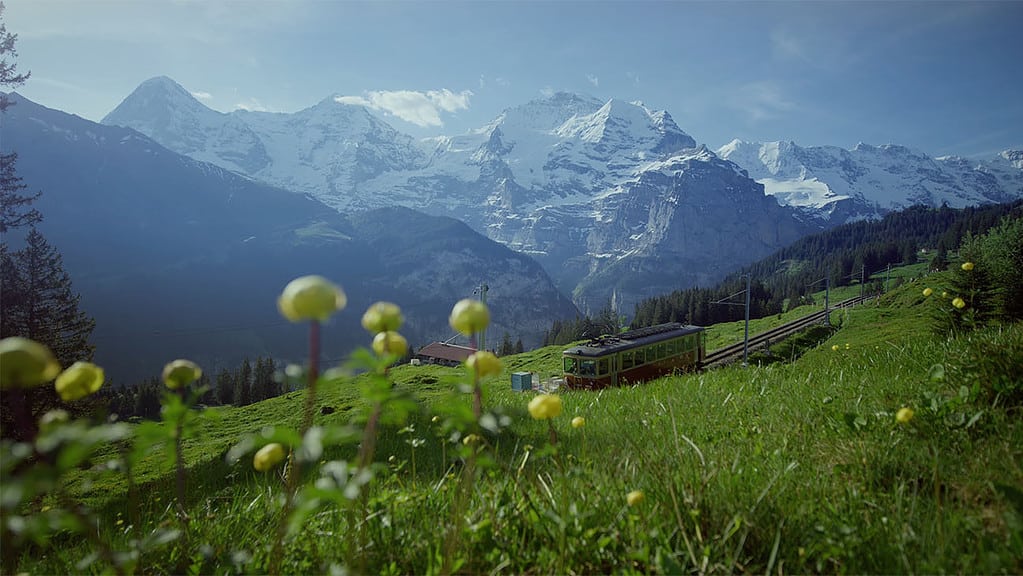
791	467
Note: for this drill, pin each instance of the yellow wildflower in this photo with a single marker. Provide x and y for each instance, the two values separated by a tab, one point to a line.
578	422
382	317
180	373
268	456
928	292
834	347
484	364
390	343
904	415
25	363
545	406
469	316
78	381
958	302
311	298
635	497
967	266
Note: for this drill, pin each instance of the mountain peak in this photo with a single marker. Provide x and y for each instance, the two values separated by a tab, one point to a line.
153	101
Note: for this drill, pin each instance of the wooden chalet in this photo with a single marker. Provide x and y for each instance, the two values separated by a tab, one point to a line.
444	354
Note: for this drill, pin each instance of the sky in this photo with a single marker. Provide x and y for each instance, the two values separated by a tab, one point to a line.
941	77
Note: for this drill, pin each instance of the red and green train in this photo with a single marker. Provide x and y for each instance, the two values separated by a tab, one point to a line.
634	356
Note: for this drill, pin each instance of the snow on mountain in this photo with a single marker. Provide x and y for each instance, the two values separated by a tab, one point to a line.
325	150
578	183
837	185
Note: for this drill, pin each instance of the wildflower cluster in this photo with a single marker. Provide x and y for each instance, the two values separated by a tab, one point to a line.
967	305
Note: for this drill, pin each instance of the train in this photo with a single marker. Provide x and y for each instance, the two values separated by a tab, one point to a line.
634	356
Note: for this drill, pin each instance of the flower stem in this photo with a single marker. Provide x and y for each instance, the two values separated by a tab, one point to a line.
294	468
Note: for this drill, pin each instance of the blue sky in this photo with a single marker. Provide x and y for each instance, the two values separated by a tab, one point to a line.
942	77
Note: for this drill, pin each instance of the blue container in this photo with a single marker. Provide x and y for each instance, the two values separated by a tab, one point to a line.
522	381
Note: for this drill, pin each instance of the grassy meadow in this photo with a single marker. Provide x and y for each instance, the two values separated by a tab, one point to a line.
798	465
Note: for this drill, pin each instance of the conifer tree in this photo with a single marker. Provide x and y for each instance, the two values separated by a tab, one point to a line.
243	385
14	206
39	303
225	387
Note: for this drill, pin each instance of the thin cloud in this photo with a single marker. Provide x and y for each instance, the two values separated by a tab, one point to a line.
547	91
419	108
203	95
761	100
785	46
593	80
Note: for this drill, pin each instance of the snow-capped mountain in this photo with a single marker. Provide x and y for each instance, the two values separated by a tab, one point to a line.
582	185
835	185
326	150
176	257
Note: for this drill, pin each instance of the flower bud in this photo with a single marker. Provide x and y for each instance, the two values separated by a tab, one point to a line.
310	298
578	422
25	363
390	343
904	415
78	381
484	364
268	456
958	303
545	406
180	373
469	316
382	317
635	497
967	266
53	418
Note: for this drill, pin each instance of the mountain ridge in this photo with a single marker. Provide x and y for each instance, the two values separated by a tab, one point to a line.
176	257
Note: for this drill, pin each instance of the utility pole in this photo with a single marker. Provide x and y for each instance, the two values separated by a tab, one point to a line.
863	270
745	340
827	296
482	291
887	274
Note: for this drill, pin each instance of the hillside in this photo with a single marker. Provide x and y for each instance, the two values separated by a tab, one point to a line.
798	466
836	257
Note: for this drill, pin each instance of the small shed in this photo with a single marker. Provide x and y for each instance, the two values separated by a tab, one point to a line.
444	354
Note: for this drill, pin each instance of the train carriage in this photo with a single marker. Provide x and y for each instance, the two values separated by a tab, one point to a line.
634	356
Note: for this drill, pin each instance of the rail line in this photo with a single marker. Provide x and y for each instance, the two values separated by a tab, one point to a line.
732	352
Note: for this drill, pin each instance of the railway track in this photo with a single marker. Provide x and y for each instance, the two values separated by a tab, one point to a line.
733	352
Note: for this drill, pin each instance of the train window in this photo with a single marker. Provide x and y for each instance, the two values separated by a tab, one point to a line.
662	349
640	359
587	368
570	365
602	367
673	347
627	360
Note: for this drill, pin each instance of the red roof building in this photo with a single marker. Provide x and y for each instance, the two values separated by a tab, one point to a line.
444	354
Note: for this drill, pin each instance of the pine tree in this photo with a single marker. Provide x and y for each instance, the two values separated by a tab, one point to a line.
243	385
505	348
263	384
38	301
225	387
14	206
518	346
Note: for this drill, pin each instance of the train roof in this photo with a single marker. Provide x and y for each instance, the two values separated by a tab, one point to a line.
603	345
